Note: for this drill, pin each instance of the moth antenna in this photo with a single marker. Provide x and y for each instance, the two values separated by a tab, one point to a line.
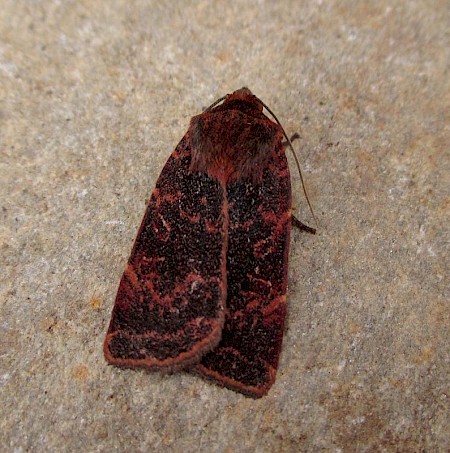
296	161
215	103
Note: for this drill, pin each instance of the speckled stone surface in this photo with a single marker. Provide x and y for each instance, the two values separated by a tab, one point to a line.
93	98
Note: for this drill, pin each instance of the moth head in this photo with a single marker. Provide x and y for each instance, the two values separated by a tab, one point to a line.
245	97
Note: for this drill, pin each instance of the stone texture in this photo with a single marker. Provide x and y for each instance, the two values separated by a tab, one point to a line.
93	98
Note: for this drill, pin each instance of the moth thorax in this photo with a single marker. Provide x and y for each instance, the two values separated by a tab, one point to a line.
232	148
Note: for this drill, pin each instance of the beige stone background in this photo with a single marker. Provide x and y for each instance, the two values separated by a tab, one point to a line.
95	96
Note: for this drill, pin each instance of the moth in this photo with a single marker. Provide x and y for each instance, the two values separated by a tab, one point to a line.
205	286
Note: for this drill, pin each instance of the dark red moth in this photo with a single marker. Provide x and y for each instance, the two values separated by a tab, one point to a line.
205	285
